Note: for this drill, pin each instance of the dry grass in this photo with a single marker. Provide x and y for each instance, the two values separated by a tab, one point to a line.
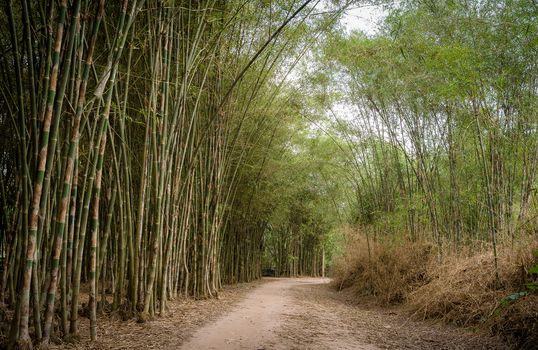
463	290
466	292
388	273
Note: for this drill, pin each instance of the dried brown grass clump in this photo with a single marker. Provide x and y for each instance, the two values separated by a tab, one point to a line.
465	291
389	273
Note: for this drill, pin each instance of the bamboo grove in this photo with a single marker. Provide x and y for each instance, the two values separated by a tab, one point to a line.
442	143
130	132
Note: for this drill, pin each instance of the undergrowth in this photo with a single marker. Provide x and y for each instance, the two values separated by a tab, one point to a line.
462	290
389	272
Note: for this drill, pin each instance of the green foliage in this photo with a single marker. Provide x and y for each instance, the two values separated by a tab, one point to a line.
440	130
532	286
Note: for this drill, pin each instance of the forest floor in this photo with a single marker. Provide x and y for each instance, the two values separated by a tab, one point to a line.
297	313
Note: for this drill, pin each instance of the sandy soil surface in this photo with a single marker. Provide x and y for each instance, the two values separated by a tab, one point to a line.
253	322
305	313
298	313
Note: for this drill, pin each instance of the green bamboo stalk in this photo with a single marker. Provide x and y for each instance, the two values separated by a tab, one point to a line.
24	337
66	192
93	241
31	75
110	79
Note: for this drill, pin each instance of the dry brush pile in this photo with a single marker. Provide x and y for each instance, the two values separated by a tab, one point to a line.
464	290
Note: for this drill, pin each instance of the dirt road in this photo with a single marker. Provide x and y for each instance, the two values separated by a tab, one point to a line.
305	314
277	314
252	324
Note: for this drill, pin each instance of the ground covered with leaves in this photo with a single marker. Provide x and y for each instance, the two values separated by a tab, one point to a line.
184	316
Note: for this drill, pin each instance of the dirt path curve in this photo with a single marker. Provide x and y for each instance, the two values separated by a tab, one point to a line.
303	313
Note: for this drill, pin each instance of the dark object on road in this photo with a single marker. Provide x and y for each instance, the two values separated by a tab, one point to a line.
268	272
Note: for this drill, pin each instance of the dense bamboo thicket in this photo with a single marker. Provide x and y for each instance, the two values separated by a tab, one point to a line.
442	136
130	132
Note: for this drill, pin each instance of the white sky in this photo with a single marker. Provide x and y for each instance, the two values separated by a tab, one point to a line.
364	18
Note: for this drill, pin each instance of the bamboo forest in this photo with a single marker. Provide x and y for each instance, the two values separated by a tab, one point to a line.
269	174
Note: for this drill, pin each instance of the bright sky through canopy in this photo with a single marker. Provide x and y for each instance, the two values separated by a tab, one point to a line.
364	18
